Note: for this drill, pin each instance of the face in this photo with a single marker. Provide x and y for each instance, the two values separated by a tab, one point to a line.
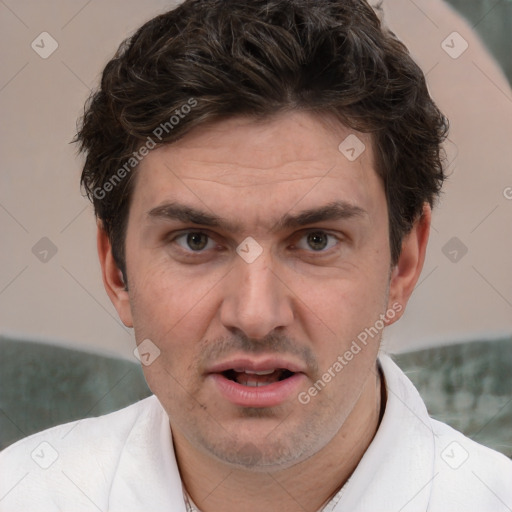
256	255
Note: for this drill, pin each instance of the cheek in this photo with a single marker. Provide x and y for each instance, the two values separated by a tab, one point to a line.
342	311
348	300
173	311
165	297
346	335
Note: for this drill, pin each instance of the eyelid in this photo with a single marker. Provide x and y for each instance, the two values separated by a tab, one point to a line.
180	232
296	238
305	232
184	232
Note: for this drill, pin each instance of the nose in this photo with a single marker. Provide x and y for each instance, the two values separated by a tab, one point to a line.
256	300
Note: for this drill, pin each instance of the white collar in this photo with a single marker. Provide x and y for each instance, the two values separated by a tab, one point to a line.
397	470
329	507
395	473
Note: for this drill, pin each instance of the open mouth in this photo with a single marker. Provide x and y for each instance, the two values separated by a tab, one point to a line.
251	378
262	382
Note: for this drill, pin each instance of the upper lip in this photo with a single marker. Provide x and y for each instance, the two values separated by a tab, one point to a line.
256	365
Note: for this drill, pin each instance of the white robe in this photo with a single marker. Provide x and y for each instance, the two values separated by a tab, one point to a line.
124	462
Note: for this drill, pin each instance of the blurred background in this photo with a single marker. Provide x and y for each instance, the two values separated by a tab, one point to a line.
65	354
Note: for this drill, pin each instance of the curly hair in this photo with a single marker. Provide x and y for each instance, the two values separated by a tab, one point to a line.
215	59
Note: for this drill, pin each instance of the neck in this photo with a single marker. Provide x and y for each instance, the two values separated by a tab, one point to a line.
306	486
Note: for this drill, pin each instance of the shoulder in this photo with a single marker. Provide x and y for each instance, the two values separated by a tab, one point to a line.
450	471
62	457
89	432
469	474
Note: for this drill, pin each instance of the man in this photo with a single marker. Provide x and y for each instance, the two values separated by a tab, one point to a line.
263	175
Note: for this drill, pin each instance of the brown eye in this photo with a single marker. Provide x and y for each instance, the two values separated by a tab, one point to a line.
317	240
194	241
197	241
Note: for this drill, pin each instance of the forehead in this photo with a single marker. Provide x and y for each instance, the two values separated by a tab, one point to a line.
273	163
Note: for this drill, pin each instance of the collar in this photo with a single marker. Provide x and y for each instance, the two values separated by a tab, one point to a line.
395	473
147	472
397	470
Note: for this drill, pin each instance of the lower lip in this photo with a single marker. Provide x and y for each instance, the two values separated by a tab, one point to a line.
270	395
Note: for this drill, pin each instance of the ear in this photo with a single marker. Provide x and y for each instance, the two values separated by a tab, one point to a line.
113	278
407	270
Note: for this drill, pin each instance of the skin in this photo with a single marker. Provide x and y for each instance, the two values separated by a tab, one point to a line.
306	305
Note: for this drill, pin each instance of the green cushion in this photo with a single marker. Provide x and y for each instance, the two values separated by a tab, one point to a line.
492	20
468	386
44	385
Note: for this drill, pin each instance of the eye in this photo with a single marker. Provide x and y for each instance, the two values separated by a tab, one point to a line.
195	241
317	241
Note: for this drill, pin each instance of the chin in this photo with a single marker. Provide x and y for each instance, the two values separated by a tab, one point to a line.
262	455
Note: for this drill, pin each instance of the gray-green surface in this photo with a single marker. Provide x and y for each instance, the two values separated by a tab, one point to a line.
43	385
492	20
469	386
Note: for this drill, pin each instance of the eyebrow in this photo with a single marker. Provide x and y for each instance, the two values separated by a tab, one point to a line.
336	210
189	215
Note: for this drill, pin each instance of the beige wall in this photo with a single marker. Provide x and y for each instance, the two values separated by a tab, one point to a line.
63	300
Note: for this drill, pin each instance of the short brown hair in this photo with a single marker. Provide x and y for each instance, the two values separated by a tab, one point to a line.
259	58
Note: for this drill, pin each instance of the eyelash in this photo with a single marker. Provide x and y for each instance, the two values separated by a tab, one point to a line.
297	237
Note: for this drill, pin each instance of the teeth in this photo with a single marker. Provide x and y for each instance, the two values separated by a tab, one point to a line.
250	372
255	384
263	372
